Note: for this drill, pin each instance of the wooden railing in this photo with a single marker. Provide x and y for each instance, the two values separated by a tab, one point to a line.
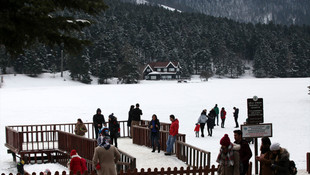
142	136
45	143
192	156
68	127
168	171
174	171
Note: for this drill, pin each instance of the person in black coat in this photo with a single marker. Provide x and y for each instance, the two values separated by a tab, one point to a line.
114	128
210	121
236	113
136	117
130	115
98	121
154	126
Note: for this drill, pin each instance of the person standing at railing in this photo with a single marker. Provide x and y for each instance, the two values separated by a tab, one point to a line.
130	116
80	128
136	117
113	127
154	126
98	121
173	132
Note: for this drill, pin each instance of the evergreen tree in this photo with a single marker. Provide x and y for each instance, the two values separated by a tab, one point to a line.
25	22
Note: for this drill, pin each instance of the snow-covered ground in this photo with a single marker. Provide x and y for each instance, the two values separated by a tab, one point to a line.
52	99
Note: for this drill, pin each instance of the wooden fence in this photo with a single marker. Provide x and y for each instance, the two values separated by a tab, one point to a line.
174	171
142	136
168	171
42	143
192	156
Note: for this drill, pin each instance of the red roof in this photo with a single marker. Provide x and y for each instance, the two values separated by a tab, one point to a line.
162	64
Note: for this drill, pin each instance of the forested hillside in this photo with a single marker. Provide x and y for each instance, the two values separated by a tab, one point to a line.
286	12
127	36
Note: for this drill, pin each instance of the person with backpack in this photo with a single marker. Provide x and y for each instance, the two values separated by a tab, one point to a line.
280	160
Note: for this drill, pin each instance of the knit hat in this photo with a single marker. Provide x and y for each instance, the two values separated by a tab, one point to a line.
73	152
274	147
225	141
104	141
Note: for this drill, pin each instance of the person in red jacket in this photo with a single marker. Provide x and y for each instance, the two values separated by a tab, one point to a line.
197	129
174	130
223	117
75	163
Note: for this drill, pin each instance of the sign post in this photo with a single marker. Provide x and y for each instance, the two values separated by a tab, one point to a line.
253	128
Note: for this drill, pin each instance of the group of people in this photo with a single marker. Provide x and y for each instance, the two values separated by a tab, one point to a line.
212	119
233	158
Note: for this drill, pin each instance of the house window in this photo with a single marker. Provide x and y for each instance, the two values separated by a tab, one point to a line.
153	78
165	69
148	70
169	77
171	69
158	70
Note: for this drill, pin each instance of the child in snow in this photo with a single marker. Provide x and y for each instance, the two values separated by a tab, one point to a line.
197	129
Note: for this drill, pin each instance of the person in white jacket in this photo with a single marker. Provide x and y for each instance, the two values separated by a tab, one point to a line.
202	120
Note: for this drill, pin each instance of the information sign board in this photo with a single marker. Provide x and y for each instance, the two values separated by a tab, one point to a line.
255	111
254	131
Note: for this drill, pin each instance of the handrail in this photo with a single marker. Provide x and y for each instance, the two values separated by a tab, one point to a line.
192	155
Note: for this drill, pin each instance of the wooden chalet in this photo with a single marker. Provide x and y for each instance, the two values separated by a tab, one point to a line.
162	71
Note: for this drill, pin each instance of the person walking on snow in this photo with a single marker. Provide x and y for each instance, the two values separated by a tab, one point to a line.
236	113
197	129
173	132
216	109
202	121
223	117
210	122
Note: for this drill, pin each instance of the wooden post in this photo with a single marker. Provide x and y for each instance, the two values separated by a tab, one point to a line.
256	153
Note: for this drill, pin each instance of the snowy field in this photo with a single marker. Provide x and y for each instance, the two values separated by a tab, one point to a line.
50	99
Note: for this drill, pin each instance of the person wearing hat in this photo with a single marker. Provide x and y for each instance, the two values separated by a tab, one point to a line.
228	158
75	163
105	157
280	160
